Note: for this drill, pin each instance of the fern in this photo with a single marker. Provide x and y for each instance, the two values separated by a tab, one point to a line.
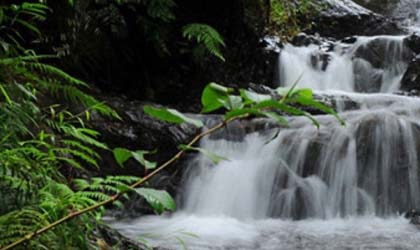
207	36
160	9
39	137
17	19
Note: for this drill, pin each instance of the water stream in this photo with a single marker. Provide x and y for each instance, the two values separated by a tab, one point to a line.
337	187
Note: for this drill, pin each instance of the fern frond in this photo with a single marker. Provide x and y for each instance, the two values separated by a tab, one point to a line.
207	36
54	72
84	135
161	9
81	147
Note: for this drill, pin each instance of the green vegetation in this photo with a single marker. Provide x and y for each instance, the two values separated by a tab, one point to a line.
49	198
45	142
288	18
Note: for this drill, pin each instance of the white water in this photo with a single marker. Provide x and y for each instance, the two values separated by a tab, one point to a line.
219	233
305	188
346	67
409	13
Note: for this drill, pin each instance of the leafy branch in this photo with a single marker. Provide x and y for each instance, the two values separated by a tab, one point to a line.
117	196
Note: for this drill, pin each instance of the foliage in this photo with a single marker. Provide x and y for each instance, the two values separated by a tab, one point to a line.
216	159
207	36
288	18
122	155
15	18
171	115
86	199
247	103
159	200
43	142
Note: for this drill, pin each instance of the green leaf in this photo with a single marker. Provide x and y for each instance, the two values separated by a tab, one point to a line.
305	93
286	108
252	97
305	97
159	200
121	155
290	91
6	96
171	115
253	111
242	113
139	157
278	118
214	97
233	102
216	159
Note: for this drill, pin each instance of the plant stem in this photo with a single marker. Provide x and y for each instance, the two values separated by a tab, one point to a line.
113	198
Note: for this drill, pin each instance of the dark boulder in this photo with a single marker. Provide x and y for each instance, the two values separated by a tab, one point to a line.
413	42
411	78
384	7
378	51
138	131
414	216
341	19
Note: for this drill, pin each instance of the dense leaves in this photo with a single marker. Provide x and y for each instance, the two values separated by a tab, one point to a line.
159	200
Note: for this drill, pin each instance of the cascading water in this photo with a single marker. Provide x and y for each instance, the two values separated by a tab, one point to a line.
408	11
337	187
371	64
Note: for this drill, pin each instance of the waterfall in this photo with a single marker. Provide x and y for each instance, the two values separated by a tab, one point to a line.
371	64
370	166
301	187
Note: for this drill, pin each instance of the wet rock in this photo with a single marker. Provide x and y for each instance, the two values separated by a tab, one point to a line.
345	18
349	40
414	216
413	42
411	93
304	40
138	131
381	51
411	79
116	240
385	7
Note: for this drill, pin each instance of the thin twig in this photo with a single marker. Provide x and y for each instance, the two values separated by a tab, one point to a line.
113	198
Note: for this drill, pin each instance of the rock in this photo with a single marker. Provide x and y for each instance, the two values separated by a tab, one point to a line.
112	239
413	42
414	216
138	131
345	18
377	51
411	79
303	39
349	40
384	7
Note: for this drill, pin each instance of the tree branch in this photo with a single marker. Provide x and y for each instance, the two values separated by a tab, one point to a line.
73	215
